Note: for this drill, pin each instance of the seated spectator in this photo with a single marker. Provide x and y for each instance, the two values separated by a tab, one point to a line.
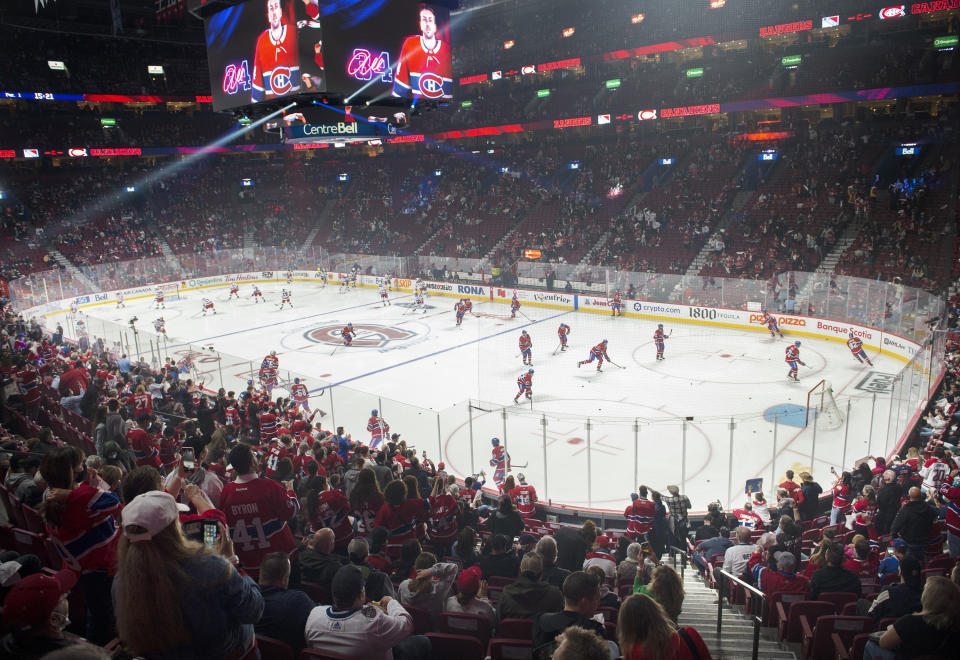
890	564
716	545
506	520
607	597
552	574
737	556
600	556
581	595
833	576
784	578
861	563
645	631
356	628
377	584
529	595
285	610
933	631
576	643
174	598
318	564
471	596
465	548
667	589
431	586
81	518
900	599
501	559
378	546
627	569
35	611
21	479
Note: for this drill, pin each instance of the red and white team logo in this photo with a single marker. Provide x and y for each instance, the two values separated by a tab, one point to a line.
280	81
77	152
644	115
431	85
370	335
528	69
893	12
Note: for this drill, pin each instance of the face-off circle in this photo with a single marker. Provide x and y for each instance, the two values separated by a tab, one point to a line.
369	335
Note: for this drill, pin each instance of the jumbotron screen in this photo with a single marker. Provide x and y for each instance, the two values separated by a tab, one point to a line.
268	49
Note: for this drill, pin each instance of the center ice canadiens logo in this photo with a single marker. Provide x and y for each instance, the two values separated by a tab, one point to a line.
371	335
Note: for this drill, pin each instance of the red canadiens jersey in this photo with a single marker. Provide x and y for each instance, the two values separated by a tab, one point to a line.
378	428
29	381
658	336
145	449
231	415
274	454
951	494
769	319
424	71
617	298
467	304
347	332
269	365
87	539
855	345
268	426
525	381
563	330
257	512
276	68
460	308
443	518
299	393
525	342
365	513
514	303
141	403
792	354
333	511
640	515
599	349
525	497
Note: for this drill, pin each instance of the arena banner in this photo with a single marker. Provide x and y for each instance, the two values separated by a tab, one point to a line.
556	299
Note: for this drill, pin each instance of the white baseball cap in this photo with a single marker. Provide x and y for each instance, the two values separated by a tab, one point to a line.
154	511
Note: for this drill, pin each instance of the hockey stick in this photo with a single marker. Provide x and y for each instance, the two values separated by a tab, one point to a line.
557	348
615	364
524	316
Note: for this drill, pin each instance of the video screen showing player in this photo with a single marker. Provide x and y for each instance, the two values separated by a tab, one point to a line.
424	65
252	53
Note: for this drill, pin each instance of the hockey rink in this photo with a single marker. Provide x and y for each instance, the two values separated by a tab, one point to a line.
717	411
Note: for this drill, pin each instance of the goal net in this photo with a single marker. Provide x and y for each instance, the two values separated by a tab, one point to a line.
822	407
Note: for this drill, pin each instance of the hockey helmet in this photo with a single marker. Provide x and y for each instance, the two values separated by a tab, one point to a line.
660	325
604	341
763	311
296	380
529	371
851	335
523	332
373	413
796	343
495	442
349	325
273	352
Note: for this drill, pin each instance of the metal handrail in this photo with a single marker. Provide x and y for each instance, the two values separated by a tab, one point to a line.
757	617
674	551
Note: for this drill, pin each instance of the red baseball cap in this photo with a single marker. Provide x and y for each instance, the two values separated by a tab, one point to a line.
30	602
603	541
469	580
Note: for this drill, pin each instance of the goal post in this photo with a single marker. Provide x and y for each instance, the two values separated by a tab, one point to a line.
822	407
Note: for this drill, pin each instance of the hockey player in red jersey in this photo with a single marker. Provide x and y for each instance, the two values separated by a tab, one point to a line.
424	66
525	385
616	305
563	332
514	306
208	306
500	462
658	339
300	394
276	65
460	310
525	497
348	333
257	511
526	348
599	353
771	322
792	357
856	347
467	305
268	372
378	427
234	291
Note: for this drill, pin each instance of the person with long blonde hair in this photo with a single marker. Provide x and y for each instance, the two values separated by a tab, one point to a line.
174	597
645	632
933	631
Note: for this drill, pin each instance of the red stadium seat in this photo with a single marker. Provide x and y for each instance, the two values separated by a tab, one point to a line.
461	647
510	649
791	629
819	643
456	623
515	629
273	649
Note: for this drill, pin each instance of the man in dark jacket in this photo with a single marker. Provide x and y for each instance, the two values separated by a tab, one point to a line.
501	559
888	502
573	545
529	595
833	576
285	611
552	574
581	596
318	564
900	599
913	523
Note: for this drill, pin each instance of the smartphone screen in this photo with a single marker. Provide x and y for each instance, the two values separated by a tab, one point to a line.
209	534
188	459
